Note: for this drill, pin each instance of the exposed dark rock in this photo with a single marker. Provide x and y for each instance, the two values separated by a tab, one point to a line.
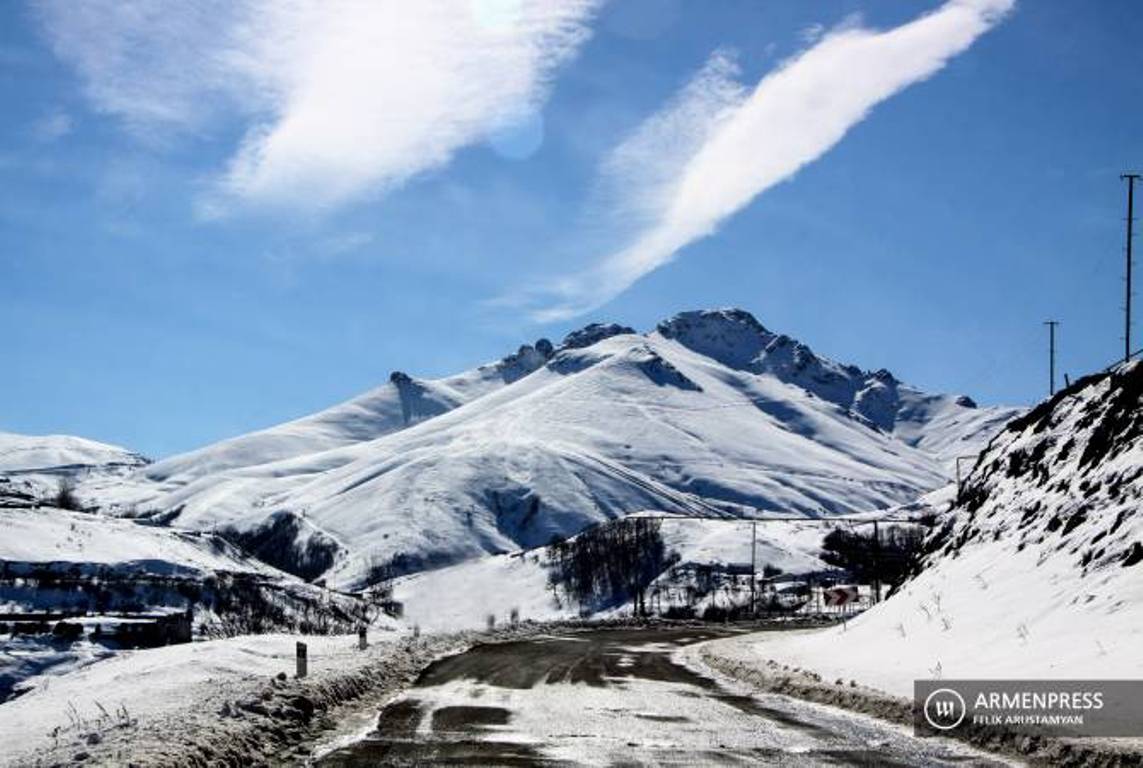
594	333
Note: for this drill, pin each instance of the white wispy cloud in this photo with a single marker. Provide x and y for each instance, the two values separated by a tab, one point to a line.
337	99
718	145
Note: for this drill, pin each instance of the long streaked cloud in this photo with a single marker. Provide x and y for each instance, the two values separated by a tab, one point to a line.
336	99
717	145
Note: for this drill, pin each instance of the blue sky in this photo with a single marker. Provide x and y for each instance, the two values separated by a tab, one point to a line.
203	233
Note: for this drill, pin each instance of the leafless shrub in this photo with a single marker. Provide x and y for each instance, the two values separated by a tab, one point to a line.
65	495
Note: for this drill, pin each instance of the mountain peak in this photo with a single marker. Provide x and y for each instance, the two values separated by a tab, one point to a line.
731	336
725	317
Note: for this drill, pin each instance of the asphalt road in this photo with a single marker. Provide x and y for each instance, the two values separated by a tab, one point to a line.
619	698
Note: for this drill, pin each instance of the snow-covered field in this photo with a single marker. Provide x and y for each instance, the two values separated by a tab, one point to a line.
466	594
158	684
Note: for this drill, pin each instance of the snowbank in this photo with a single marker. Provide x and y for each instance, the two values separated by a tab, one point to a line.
980	615
174	690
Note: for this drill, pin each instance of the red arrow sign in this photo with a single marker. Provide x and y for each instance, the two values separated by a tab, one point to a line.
840	595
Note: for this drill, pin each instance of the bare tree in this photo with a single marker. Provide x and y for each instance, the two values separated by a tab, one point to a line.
65	495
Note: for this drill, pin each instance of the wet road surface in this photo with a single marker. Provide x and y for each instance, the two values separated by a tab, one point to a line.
618	698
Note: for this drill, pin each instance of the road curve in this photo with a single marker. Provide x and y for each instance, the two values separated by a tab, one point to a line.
619	698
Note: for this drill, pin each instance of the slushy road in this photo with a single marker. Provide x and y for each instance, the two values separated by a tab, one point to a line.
619	698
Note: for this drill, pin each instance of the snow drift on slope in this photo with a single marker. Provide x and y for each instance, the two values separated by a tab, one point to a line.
1035	571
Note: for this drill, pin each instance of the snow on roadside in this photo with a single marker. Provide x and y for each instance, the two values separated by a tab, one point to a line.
26	657
161	685
980	616
1033	574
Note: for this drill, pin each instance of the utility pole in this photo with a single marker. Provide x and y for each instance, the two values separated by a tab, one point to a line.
753	575
1130	177
1051	355
876	564
959	475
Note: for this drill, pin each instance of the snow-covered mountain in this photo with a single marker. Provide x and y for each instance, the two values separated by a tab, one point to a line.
709	413
1034	571
33	466
1065	478
61	454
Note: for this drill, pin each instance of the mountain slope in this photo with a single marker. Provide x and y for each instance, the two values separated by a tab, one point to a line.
1035	572
942	425
32	467
400	403
60	454
710	414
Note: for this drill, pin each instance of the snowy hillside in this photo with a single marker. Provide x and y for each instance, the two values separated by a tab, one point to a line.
33	466
709	414
34	454
404	401
1035	572
48	535
943	426
101	573
464	595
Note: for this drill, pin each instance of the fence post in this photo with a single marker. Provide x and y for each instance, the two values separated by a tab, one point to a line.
303	666
362	640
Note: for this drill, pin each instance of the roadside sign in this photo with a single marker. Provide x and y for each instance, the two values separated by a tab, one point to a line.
837	596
